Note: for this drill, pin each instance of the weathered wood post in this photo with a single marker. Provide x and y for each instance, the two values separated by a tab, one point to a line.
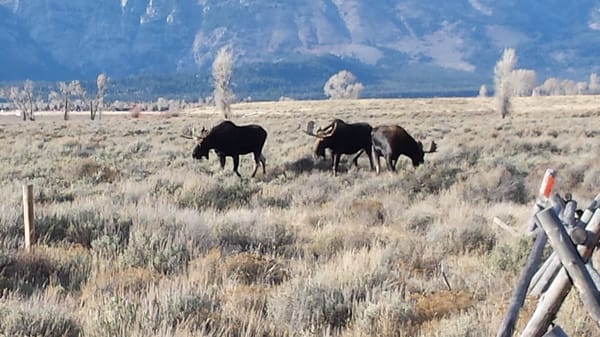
550	303
552	266
28	216
507	326
545	275
556	331
571	261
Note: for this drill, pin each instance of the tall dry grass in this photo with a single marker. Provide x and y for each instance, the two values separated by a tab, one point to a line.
136	238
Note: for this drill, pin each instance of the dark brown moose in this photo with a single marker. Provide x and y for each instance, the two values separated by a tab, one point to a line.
230	140
391	141
342	138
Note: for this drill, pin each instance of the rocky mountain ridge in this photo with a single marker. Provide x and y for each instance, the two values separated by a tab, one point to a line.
433	44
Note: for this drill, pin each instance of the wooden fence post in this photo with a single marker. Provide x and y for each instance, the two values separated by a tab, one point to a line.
571	261
545	275
551	267
559	289
28	216
507	326
556	331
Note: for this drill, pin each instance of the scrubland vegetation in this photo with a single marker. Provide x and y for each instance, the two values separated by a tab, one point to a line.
134	238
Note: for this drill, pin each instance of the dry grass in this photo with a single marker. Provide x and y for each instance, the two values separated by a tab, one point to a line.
136	238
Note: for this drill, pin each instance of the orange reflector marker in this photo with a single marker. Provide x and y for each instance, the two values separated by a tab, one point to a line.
547	183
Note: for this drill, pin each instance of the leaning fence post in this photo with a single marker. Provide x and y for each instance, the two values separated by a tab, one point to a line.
552	266
571	261
507	325
28	216
549	304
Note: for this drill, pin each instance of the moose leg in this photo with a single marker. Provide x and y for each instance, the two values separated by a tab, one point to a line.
255	169
236	163
263	161
391	165
370	155
355	160
377	163
222	161
336	162
258	159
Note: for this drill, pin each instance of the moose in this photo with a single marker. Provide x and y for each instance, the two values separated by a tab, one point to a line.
391	141
230	140
342	138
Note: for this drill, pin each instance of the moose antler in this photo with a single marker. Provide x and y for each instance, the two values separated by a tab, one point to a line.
190	136
310	128
321	133
432	148
194	136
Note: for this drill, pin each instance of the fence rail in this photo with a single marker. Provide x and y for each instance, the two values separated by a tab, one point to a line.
573	239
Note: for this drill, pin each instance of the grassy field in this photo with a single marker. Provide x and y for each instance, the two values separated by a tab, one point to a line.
135	238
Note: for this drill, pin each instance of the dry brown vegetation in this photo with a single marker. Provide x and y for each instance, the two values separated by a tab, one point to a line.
137	239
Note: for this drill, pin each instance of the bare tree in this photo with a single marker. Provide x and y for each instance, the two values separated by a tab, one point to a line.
98	104
521	82
483	91
582	88
342	85
502	84
594	85
569	87
554	87
22	99
54	100
67	90
550	87
221	72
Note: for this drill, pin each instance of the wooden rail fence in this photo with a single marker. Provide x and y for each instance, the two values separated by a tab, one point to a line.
573	236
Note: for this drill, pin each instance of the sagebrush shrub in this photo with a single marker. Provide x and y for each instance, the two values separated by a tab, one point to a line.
467	324
221	196
463	233
82	226
387	315
36	319
311	306
510	256
111	282
90	169
327	299
245	230
250	268
186	307
501	183
160	251
27	272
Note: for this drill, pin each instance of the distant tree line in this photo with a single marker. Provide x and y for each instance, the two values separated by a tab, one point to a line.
509	81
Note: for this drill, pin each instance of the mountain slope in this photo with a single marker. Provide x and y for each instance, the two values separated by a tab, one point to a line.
396	40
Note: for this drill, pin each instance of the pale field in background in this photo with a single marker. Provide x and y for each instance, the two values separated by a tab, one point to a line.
289	252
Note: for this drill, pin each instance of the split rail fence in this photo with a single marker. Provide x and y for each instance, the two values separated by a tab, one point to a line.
573	235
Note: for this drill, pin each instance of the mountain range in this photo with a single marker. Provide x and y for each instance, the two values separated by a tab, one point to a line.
290	48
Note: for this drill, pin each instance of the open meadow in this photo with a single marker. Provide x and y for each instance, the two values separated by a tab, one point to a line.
135	238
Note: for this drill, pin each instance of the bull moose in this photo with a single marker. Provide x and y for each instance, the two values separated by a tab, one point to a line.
230	140
391	141
342	138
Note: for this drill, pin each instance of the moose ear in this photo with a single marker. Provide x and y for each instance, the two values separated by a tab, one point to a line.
203	132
